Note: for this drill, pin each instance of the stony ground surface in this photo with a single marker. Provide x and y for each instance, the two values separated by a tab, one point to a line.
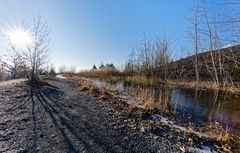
59	118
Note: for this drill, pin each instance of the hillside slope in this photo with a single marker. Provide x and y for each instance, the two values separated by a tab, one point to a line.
184	69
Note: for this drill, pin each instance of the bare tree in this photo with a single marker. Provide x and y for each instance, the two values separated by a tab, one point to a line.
130	67
194	35
13	65
151	59
62	69
72	69
214	32
162	57
35	54
144	55
209	33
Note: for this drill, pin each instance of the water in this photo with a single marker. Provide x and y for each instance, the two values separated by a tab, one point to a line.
205	106
60	76
97	82
201	106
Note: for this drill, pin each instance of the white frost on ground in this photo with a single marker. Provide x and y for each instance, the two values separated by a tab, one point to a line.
157	117
11	82
204	149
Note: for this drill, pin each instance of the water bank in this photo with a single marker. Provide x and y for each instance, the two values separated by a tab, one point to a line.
178	118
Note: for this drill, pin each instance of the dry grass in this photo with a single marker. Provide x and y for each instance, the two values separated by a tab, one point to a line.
145	95
205	85
152	100
212	131
217	132
87	85
100	73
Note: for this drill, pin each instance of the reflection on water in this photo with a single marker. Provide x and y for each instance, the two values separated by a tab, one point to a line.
206	106
200	105
97	82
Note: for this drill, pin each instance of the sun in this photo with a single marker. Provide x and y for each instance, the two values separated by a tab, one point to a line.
19	37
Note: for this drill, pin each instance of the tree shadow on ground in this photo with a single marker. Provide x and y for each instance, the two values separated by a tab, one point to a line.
74	130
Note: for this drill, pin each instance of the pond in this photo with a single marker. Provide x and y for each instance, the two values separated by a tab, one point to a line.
200	106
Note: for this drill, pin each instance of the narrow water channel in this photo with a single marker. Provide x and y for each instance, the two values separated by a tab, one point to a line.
201	106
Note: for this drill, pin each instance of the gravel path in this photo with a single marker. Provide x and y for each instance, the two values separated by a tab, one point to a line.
59	118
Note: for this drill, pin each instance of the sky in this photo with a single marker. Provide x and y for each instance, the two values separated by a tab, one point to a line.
87	32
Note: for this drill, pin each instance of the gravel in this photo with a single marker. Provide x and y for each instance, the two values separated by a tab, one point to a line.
60	118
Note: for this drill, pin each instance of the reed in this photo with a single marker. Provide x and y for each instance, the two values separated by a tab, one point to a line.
152	100
102	73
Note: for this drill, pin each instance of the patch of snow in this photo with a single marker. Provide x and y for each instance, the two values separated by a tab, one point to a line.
204	149
183	129
157	117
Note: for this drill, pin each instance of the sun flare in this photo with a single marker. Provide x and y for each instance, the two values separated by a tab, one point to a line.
19	37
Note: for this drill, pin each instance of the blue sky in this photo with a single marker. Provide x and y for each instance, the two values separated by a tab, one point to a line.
87	32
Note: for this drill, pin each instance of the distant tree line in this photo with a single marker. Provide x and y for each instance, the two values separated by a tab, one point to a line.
102	66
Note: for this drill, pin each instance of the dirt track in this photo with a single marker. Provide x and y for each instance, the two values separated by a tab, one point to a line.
59	118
